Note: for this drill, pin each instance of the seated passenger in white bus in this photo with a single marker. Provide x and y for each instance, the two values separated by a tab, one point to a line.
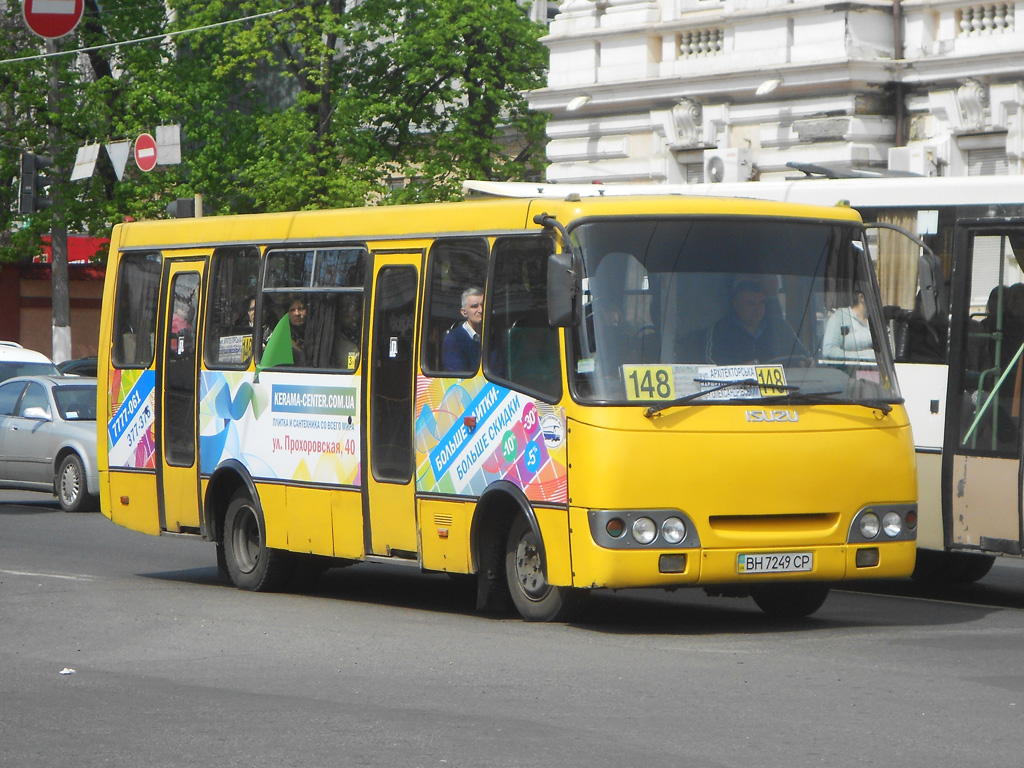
847	335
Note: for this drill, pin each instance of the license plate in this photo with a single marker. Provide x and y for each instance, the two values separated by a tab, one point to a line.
774	562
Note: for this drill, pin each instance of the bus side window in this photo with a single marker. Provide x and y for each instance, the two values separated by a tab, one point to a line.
521	350
137	299
455	265
313	303
229	324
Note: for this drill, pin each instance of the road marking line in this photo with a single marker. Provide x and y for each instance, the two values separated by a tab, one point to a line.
46	575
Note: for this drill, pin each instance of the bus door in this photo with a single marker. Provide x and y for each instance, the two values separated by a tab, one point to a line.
389	510
175	429
983	458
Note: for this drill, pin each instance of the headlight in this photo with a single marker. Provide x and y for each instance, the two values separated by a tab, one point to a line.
892	524
673	530
644	530
869	525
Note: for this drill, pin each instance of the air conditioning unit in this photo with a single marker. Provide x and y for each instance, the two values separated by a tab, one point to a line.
729	164
916	158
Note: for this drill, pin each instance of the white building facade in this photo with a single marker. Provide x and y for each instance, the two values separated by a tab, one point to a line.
702	90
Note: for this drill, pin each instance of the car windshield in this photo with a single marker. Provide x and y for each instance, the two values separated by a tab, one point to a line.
10	368
728	309
77	402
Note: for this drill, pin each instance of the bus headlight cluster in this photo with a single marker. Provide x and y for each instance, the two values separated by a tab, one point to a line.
633	529
884	522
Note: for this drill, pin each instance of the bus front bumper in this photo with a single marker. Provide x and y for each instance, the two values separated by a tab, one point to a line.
594	566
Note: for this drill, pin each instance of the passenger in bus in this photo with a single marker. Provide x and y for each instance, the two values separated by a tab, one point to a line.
182	340
748	335
346	341
250	315
461	348
847	335
297	311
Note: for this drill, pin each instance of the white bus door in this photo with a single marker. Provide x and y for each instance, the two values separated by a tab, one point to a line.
983	460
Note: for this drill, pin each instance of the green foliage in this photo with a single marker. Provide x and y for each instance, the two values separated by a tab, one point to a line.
316	105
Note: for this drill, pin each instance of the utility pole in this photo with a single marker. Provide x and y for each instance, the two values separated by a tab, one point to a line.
60	290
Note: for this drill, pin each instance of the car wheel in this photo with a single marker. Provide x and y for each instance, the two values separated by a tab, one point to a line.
70	486
251	564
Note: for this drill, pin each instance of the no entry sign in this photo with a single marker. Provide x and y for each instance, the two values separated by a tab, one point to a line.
52	18
145	152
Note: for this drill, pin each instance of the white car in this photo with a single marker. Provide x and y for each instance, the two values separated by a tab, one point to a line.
15	360
48	438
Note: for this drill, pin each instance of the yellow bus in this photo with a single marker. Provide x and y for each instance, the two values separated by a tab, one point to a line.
949	253
552	395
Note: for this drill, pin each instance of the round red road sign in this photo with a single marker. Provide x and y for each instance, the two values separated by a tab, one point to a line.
52	18
145	152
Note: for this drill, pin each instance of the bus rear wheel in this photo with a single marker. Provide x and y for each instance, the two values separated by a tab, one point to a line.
532	595
251	564
789	601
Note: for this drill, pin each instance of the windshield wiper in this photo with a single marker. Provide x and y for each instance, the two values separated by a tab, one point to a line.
791	394
718	385
813	397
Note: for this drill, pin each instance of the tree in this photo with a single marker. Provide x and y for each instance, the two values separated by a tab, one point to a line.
313	105
337	96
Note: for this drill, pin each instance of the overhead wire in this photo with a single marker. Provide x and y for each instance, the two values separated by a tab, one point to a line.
150	38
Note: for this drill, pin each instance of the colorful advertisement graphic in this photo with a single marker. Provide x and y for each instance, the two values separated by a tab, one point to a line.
132	399
470	433
284	427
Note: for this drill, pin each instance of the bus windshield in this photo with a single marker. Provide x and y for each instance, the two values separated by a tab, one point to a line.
716	310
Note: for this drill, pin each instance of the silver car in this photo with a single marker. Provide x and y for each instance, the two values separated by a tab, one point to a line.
48	438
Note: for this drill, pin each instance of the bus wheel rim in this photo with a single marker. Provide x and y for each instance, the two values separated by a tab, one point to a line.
530	569
247	540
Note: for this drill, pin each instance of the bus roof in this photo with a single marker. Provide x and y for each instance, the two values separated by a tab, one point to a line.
891	192
429	220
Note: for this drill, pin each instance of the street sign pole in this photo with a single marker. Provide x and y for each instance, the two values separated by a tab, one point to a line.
60	285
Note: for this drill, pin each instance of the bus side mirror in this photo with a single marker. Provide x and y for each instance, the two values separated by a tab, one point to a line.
900	319
934	302
564	287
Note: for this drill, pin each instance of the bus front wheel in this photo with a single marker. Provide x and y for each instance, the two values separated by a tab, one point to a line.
532	595
251	564
789	601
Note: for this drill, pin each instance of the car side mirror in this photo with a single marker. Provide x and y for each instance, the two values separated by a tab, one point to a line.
37	413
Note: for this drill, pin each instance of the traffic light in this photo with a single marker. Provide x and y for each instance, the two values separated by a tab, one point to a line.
188	207
182	208
31	184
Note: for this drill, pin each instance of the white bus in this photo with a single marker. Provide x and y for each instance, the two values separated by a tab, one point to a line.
959	357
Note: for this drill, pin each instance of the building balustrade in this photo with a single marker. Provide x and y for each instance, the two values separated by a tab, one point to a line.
700	42
986	19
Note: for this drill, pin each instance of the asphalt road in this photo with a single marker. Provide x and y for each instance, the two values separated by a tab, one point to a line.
383	666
